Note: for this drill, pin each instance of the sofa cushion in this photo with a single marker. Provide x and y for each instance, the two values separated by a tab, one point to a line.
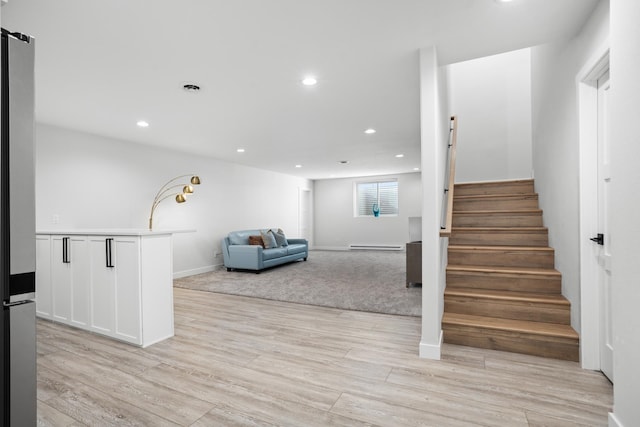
296	248
256	240
268	239
274	253
241	237
281	240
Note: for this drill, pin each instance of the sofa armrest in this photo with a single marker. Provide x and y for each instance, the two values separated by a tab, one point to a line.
245	256
298	241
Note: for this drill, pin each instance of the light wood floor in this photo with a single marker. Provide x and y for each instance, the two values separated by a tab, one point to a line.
245	361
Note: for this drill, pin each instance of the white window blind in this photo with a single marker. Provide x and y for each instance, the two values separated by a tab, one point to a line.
384	193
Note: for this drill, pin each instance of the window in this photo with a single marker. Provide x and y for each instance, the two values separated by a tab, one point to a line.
384	193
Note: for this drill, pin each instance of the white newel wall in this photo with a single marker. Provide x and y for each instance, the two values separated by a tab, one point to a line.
434	125
625	228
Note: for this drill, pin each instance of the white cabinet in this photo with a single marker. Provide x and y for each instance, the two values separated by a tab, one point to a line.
62	275
69	276
120	286
115	290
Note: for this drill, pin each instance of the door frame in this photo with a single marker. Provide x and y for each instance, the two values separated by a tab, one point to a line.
305	195
587	91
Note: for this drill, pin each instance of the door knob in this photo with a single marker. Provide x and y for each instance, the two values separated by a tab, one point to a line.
599	239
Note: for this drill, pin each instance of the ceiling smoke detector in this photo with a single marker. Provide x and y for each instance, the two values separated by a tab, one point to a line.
190	87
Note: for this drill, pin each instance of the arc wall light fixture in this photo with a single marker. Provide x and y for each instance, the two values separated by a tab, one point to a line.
168	190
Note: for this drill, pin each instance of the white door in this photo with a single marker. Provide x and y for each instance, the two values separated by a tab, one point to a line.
304	214
603	249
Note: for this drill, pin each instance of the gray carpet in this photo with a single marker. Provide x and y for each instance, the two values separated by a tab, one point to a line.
371	281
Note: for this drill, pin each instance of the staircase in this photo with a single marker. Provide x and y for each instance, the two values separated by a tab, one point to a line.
503	292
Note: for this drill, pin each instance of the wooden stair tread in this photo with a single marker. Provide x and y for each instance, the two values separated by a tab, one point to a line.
498	229
495	183
495	196
508	270
500	212
519	326
501	248
503	291
516	296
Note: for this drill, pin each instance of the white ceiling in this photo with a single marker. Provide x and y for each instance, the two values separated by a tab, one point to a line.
103	65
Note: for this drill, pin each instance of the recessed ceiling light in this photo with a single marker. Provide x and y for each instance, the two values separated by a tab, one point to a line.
240	150
309	81
503	1
370	131
416	169
399	155
142	124
298	166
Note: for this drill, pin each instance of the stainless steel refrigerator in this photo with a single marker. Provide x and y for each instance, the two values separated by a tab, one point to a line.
17	232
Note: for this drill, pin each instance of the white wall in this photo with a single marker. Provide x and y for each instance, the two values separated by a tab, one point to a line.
492	98
434	132
89	181
556	145
625	202
336	226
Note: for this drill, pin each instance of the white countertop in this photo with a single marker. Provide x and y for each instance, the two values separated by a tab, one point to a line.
112	232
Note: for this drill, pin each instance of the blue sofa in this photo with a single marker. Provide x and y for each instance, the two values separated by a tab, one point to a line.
239	254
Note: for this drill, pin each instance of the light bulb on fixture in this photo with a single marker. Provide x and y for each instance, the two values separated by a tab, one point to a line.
167	190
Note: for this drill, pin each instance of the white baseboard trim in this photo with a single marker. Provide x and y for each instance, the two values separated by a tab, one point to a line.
431	351
614	421
330	248
193	272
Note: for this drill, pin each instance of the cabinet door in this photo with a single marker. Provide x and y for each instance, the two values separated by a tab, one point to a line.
61	260
43	276
126	260
102	279
80	302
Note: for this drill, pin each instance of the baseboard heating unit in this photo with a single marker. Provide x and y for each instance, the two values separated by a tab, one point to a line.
376	247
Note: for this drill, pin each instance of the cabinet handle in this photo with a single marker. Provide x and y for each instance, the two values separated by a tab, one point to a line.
109	257
65	251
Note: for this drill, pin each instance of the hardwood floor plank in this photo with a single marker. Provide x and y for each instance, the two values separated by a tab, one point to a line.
248	362
52	383
148	396
100	348
489	388
392	394
227	416
91	407
384	413
50	417
215	384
